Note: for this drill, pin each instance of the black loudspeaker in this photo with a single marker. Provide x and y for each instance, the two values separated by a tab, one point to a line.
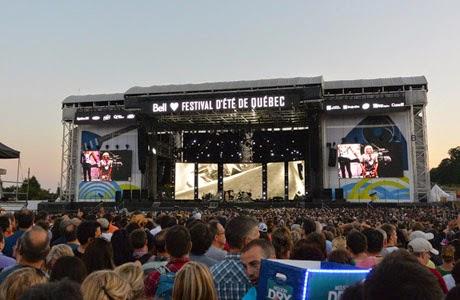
339	194
326	194
142	148
118	195
332	157
136	195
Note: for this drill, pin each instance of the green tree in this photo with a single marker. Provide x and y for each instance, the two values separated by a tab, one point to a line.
448	171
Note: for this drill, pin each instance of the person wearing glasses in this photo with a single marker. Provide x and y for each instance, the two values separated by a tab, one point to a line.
422	250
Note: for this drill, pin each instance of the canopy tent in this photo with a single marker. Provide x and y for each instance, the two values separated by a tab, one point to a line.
7	152
437	194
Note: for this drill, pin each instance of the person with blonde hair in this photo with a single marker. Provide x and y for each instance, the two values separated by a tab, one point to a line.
57	252
105	285
132	273
20	281
194	282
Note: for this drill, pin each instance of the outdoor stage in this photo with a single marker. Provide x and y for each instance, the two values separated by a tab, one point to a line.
243	141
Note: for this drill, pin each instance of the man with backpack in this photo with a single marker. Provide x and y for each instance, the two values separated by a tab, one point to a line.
160	282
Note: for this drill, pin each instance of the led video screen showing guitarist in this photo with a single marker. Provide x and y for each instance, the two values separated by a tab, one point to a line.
114	165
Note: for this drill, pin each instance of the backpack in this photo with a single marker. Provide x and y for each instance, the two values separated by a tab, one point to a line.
165	285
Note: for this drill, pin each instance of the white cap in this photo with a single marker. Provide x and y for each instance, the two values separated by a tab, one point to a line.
197	216
263	227
422	245
420	234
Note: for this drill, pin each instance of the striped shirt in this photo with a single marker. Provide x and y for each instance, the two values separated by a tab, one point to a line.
230	279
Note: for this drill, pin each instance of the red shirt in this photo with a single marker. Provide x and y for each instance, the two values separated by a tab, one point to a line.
441	281
152	280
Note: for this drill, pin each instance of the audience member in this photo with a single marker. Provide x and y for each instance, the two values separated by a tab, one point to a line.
70	267
106	285
98	255
194	282
87	231
5	261
161	256
216	251
132	273
25	220
55	253
357	246
251	258
400	276
422	250
138	240
282	241
305	250
19	281
178	245
229	276
105	228
122	251
201	237
33	247
64	289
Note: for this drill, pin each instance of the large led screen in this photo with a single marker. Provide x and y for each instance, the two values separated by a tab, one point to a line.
242	182
275	180
184	181
207	181
369	161
114	165
296	179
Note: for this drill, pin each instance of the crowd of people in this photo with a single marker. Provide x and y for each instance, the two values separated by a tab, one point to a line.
211	254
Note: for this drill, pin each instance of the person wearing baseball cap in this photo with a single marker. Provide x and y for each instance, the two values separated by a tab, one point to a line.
420	234
422	250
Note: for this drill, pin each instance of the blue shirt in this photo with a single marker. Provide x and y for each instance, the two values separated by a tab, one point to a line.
10	242
6	261
251	294
230	279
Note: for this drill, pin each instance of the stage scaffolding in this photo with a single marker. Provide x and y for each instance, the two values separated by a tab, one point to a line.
67	182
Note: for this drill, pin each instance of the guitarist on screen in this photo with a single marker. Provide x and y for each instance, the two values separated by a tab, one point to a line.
105	167
87	160
369	163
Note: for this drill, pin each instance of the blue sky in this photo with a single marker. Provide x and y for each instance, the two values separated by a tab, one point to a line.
52	49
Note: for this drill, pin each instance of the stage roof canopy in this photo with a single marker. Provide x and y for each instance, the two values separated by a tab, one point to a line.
225	86
378	82
7	152
93	98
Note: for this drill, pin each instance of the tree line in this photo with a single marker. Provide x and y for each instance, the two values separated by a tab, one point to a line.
448	171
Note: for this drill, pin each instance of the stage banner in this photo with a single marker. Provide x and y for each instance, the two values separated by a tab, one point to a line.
223	102
296	279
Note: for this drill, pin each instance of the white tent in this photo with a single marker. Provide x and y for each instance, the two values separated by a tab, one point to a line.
437	195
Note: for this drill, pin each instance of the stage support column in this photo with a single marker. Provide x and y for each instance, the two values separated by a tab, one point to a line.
179	144
153	161
246	147
314	157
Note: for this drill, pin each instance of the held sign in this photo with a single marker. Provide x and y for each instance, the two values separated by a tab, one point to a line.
330	284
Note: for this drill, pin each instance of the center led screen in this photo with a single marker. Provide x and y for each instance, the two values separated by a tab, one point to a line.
184	181
207	180
296	174
243	182
275	180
